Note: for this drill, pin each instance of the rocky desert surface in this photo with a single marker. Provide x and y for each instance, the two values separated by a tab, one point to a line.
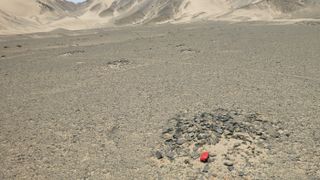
152	89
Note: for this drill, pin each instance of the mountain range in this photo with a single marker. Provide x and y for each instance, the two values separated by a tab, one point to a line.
20	16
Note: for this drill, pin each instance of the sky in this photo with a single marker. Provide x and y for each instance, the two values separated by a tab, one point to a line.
76	1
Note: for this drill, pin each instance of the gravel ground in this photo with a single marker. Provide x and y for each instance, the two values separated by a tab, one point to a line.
95	104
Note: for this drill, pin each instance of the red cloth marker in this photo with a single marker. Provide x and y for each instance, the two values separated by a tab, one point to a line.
204	156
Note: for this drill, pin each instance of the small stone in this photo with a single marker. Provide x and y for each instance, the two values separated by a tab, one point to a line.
158	155
191	134
202	136
213	175
195	155
180	45
227	132
206	168
230	127
167	136
223	118
186	161
241	174
287	133
236	145
170	155
273	133
228	163
195	148
19	46
264	136
177	135
190	129
218	130
167	130
211	159
230	168
181	141
213	140
188	137
202	142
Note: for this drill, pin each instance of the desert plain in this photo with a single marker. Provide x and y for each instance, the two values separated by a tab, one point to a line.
92	104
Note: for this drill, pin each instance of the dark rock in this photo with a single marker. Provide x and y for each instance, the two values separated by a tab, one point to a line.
5	47
195	148
180	141
122	61
223	118
19	46
206	168
187	161
191	129
170	155
213	140
167	130
259	132
158	155
230	168
218	130
227	132
177	135
206	116
202	142
181	152
180	45
241	174
236	145
264	136
195	155
169	142
167	137
189	137
202	136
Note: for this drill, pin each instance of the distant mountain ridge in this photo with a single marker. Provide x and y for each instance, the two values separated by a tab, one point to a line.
41	15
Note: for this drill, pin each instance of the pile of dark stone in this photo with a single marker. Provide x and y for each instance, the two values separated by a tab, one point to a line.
118	63
70	53
184	136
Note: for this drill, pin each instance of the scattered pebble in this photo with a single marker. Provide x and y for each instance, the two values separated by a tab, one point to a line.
70	53
170	155
228	163
241	173
158	155
206	168
186	161
230	168
118	63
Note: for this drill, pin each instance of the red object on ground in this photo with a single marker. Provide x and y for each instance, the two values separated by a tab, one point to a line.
204	156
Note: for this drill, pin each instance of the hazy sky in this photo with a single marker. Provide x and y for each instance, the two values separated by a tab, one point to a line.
76	1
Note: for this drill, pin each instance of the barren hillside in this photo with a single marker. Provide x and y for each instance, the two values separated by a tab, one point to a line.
19	16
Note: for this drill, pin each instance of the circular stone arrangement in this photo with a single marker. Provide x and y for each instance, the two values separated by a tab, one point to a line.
235	140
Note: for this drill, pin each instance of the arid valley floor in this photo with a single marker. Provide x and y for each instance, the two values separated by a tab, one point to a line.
93	104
